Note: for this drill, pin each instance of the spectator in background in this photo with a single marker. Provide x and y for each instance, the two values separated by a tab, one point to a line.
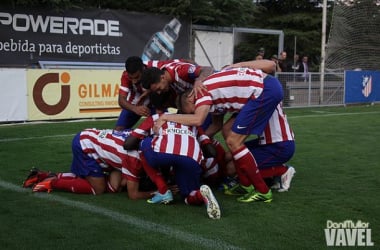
304	68
296	63
261	52
275	59
283	63
259	57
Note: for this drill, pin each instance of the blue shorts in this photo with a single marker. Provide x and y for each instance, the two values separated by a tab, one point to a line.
271	155
207	122
255	114
187	170
127	119
83	165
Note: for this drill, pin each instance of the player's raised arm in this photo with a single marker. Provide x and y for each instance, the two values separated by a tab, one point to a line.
268	66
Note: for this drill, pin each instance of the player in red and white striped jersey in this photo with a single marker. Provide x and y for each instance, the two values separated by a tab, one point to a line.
255	96
96	154
177	76
173	138
182	76
131	90
178	146
214	168
272	150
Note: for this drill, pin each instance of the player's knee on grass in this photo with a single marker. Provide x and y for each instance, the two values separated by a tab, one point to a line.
98	184
114	182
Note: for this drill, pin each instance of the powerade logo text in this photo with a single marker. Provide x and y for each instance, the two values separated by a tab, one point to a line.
61	25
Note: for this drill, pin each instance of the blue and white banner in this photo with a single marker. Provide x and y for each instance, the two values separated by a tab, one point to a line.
362	86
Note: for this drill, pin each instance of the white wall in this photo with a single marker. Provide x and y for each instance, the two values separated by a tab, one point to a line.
13	95
218	46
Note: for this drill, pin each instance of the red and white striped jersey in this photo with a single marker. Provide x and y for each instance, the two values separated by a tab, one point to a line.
159	64
106	146
131	166
229	90
183	74
134	91
130	90
173	138
277	129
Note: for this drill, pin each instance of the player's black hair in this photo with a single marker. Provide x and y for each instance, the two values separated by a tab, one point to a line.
158	100
134	64
151	76
163	100
181	99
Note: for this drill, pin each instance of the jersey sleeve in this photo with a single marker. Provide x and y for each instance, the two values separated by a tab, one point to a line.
158	63
205	99
143	130
202	137
191	70
124	84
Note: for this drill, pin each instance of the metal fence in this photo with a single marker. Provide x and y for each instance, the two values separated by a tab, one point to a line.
313	90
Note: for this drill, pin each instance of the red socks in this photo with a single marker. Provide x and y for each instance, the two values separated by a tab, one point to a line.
154	175
75	185
273	171
246	166
195	198
66	176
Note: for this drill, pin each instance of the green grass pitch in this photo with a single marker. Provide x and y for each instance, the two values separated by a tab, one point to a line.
338	178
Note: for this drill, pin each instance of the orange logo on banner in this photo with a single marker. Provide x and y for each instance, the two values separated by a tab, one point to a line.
51	78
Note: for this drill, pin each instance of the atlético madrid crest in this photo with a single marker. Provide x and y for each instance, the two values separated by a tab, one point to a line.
361	86
367	85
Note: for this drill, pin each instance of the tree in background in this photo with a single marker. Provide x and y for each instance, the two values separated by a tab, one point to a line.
297	18
300	19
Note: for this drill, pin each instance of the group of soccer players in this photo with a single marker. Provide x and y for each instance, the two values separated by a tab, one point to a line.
178	151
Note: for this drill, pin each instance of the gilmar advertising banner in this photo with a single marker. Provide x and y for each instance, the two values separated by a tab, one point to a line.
30	36
71	94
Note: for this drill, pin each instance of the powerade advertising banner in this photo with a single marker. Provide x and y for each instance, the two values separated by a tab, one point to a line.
68	94
362	86
30	36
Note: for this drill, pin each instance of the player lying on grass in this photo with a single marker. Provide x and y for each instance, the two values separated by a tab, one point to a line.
176	146
99	162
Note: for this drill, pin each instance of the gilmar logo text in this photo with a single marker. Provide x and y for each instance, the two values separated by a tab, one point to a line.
348	233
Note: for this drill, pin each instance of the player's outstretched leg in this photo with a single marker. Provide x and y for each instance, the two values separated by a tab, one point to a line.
286	179
212	205
35	176
165	198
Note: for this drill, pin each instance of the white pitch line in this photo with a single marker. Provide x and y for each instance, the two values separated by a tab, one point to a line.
289	117
33	138
332	114
128	219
